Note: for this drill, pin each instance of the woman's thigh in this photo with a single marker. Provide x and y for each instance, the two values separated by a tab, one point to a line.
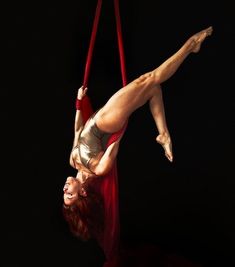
114	114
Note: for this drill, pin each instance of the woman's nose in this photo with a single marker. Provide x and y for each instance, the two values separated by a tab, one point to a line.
65	188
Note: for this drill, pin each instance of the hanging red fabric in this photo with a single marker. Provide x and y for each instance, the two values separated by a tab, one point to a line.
108	188
116	135
87	109
92	43
120	42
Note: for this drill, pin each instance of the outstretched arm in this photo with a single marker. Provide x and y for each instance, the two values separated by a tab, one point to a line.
78	122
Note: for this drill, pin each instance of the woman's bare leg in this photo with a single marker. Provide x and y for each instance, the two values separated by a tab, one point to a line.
163	73
158	111
120	106
171	65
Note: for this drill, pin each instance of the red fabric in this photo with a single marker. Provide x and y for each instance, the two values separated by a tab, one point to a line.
92	43
78	104
110	184
86	108
108	188
120	42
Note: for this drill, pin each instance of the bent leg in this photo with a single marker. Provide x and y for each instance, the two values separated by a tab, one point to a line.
125	101
158	112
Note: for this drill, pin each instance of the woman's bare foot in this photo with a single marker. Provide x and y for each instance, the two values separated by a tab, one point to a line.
196	40
165	141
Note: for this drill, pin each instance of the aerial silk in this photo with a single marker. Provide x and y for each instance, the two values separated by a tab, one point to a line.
108	187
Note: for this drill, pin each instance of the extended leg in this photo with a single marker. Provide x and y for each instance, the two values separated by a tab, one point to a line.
126	100
171	65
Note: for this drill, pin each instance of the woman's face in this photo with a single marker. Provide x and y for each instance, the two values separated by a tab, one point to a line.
70	190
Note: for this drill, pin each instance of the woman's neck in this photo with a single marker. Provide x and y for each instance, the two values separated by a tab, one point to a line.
83	176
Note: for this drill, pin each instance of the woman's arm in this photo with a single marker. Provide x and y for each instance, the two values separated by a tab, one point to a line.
106	162
78	123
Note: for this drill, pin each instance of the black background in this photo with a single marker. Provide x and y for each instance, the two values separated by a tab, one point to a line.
186	207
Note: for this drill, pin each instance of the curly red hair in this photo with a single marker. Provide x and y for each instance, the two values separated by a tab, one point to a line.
85	217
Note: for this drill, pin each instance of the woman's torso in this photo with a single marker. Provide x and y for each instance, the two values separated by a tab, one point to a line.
91	145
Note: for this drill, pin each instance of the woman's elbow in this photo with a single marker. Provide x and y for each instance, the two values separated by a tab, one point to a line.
101	170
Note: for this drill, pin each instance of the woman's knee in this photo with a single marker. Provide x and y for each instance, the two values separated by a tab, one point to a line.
142	78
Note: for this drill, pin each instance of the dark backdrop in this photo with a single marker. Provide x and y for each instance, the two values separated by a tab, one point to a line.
184	208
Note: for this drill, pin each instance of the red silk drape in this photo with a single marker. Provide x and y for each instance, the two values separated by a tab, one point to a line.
108	190
108	187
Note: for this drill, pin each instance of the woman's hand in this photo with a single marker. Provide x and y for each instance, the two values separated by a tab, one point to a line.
81	92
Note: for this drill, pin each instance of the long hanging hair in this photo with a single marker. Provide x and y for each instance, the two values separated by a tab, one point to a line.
85	217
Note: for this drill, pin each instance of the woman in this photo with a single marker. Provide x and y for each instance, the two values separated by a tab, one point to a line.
89	155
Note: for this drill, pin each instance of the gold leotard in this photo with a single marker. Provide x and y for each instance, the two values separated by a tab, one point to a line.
91	141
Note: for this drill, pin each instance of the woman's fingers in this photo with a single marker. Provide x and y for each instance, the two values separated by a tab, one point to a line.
81	92
85	90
